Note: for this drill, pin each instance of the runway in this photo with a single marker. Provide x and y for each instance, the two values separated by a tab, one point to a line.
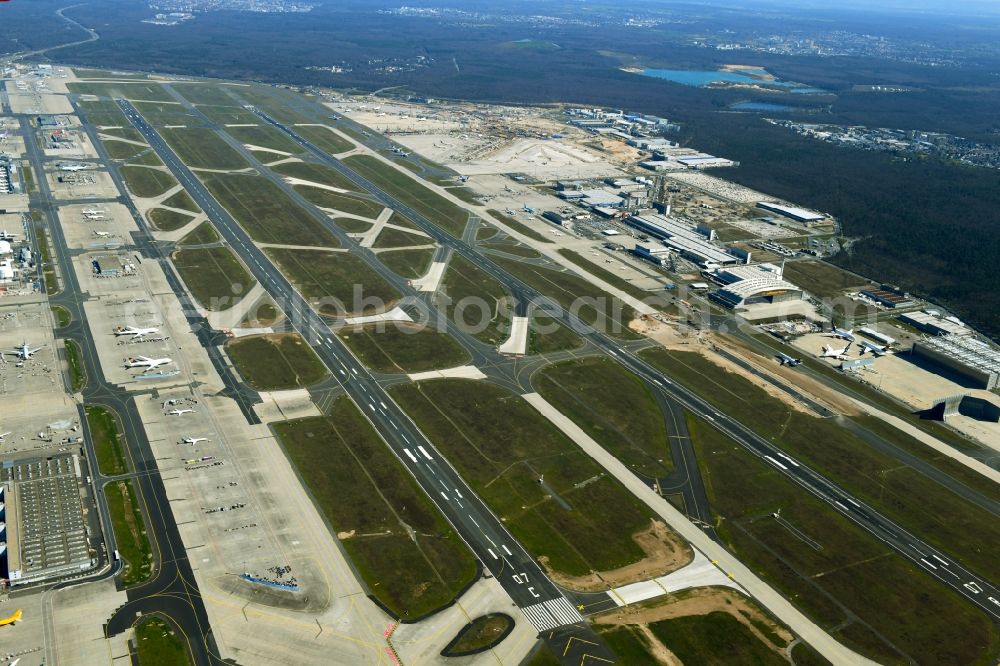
521	577
971	586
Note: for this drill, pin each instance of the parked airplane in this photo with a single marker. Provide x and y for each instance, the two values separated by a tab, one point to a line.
527	209
830	352
178	412
136	332
6	235
872	347
73	167
148	363
788	360
192	440
16	617
24	352
92	211
4	434
842	334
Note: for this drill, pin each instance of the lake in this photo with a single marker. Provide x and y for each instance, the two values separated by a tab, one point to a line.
760	106
700	78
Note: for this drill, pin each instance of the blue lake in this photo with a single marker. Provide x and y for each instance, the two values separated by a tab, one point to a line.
701	78
760	106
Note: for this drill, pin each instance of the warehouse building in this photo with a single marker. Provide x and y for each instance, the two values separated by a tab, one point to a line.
46	534
744	286
889	298
928	321
681	238
972	359
798	214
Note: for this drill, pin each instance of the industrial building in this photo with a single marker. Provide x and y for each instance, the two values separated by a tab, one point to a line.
9	181
966	356
888	298
744	286
681	238
928	321
876	336
42	514
798	214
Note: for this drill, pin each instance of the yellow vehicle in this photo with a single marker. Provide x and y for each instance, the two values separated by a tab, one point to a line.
16	617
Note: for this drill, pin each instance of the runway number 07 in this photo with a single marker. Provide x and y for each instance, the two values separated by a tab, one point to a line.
520	579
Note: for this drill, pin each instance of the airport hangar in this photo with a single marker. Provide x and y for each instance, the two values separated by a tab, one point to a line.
743	286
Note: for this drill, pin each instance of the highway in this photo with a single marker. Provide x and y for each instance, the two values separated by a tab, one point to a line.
971	586
539	599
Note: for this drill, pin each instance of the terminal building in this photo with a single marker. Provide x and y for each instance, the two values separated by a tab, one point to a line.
743	286
43	533
972	359
681	238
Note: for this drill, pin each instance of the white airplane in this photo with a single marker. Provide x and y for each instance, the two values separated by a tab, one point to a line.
830	352
24	352
73	167
102	234
136	332
93	211
6	235
148	363
788	360
3	435
872	347
193	440
178	412
842	334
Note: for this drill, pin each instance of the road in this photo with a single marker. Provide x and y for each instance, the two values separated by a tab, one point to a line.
974	588
173	592
540	600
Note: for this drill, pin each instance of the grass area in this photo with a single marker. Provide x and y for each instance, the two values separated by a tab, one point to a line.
407	263
167	220
129	132
546	335
214	276
442	212
109	442
324	138
130	532
129	90
502	447
170	113
105	113
84	73
157	643
276	362
511	246
716	639
481	634
146	158
398	347
517	225
804	654
203	234
606	275
275	102
213	94
486	231
120	150
345	203
202	148
405	550
229	115
45	262
614	407
74	359
27	177
821	279
183	201
263	313
390	237
336	282
316	173
914	501
267	213
465	194
477	303
595	307
265	136
62	316
846	571
352	225
146	182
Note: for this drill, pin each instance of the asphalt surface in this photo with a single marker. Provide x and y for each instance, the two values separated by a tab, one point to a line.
517	572
973	587
173	592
